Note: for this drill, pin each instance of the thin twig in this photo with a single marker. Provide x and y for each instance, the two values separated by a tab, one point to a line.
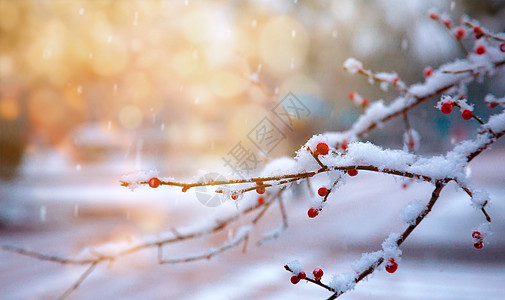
79	281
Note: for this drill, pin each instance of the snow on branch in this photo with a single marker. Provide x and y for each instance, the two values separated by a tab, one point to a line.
342	155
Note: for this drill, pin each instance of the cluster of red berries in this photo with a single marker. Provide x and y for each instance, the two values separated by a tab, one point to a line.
154	182
391	265
356	98
478	32
318	274
296	278
447	109
478	240
260	190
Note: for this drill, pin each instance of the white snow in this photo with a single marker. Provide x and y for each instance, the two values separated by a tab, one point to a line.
352	65
413	210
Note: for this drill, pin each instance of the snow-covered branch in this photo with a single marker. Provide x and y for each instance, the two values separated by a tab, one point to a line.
341	155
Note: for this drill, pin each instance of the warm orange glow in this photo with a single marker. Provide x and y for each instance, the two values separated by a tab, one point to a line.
9	109
283	44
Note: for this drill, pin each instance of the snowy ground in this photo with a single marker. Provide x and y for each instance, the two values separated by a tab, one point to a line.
61	210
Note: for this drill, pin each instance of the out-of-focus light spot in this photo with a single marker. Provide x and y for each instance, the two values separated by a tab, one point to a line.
9	15
345	10
197	27
277	47
254	23
79	89
226	84
302	84
81	11
6	66
130	117
136	18
138	85
110	59
184	64
45	108
9	109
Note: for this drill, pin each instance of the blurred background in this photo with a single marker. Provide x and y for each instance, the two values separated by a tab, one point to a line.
91	90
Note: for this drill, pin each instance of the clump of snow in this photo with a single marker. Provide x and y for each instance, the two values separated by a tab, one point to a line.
371	155
352	65
464	105
492	101
496	123
413	210
134	179
444	99
343	282
390	247
295	266
366	261
480	198
280	166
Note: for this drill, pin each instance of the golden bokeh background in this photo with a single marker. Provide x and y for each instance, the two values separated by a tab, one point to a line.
179	71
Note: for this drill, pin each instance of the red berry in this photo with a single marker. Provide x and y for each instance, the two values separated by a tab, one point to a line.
234	196
302	275
404	185
318	273
480	50
391	266
493	105
476	235
313	212
261	200
344	145
154	182
448	23
428	71
260	190
295	279
365	103
352	95
322	148
434	16
478	245
447	107
352	172
467	114
322	191
502	47
460	33
478	32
